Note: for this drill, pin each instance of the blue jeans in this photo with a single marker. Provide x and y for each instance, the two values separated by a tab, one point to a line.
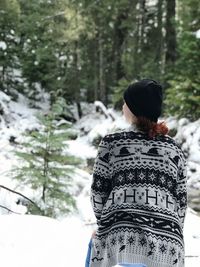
87	261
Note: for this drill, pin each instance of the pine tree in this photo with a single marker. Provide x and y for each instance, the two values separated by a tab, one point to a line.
46	168
183	94
9	19
40	33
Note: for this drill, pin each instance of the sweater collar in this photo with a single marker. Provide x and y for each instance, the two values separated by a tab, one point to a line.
133	128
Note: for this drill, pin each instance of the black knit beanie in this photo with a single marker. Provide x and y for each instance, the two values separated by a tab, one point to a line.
144	98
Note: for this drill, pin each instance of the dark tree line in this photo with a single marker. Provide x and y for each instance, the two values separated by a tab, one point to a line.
87	50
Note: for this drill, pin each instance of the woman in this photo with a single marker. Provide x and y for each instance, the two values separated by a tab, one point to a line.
138	191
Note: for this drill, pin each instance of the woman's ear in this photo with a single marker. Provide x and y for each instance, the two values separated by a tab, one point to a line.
129	116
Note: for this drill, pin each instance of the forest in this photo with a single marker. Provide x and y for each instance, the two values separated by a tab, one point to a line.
86	50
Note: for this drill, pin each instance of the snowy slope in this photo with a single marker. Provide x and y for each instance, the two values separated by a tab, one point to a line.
29	241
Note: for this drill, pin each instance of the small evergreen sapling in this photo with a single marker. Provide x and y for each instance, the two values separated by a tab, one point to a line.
46	168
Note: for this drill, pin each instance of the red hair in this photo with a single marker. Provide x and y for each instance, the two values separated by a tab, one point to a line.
151	127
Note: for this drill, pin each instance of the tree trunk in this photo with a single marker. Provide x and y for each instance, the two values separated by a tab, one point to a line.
120	35
142	24
170	32
136	61
44	192
77	80
102	86
76	77
45	167
159	49
96	73
45	173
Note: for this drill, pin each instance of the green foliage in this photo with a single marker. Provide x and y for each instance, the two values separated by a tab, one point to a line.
9	18
40	42
50	32
86	49
46	167
183	98
189	51
118	93
183	94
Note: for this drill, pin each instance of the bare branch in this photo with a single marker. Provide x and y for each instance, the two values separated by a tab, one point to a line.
15	192
9	210
100	107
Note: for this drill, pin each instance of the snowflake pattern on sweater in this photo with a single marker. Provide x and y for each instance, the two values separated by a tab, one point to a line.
139	198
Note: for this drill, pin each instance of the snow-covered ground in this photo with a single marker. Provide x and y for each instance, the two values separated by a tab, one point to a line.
27	240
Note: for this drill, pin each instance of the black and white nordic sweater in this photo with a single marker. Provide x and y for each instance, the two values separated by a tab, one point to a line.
139	197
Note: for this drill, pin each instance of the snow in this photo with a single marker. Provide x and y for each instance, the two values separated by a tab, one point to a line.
98	130
63	58
28	240
37	241
151	3
188	135
81	147
191	136
192	234
17	75
198	34
4	97
3	45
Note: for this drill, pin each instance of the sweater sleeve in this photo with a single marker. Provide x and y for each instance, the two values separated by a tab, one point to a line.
101	181
182	191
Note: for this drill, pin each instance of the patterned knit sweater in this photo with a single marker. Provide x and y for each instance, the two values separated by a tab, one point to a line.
139	197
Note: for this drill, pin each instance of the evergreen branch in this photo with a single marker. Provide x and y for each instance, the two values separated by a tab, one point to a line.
20	194
9	210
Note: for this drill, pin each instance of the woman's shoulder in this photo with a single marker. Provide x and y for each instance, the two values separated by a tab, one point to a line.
112	136
169	139
122	134
173	143
140	138
132	133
